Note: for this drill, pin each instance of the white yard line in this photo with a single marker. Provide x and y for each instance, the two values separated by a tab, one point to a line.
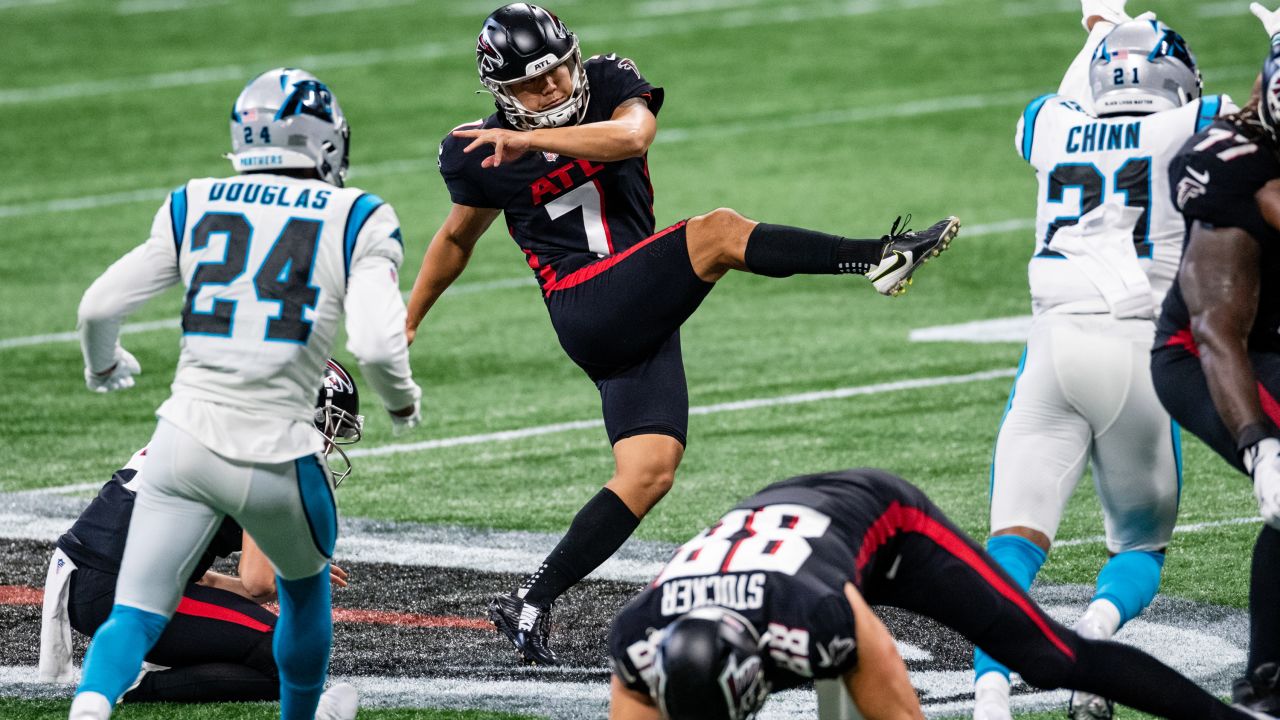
1223	9
142	7
752	404
432	50
12	4
996	330
312	8
1191	528
913	108
72	336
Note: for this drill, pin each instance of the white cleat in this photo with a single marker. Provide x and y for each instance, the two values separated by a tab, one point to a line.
906	250
991	698
339	702
90	706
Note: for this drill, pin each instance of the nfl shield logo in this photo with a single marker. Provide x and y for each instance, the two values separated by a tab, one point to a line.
551	157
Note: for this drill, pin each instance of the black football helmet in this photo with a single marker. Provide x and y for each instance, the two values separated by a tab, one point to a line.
520	41
710	666
338	415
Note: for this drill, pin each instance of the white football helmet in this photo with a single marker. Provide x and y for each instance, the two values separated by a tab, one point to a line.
287	119
1142	66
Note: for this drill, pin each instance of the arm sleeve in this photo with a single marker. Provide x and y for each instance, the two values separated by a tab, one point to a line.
144	272
1075	82
376	313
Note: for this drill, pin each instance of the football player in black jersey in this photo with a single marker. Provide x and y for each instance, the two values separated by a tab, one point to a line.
564	158
218	646
1216	360
778	592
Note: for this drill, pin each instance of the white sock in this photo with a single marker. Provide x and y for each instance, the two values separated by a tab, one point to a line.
1100	621
90	706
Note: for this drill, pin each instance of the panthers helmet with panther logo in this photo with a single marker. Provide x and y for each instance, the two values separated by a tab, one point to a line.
287	119
1140	67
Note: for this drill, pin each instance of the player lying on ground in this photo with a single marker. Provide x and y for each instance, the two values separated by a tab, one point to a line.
777	593
217	646
271	259
1216	360
1083	395
572	179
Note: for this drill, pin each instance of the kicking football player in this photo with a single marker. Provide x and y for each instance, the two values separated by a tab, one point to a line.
777	593
1108	240
564	157
1216	360
271	259
217	646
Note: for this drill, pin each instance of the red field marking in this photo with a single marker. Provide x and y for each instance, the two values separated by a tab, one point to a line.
20	595
387	617
23	595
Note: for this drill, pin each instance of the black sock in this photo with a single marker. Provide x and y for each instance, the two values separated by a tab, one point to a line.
1264	600
1131	677
783	251
597	531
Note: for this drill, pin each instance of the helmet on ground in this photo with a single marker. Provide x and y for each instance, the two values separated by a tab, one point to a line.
710	665
522	41
287	119
1142	66
1269	102
338	415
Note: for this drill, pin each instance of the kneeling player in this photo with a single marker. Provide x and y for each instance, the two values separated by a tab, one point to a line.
777	593
218	646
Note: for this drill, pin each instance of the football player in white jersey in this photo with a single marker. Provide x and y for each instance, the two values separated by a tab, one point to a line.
271	259
1108	241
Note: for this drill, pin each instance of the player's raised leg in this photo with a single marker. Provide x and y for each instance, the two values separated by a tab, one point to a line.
723	240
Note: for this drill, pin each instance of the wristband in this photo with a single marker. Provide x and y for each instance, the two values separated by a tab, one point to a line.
1253	434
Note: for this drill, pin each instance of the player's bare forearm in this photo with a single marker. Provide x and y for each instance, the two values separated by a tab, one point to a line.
879	684
1220	283
626	134
627	704
446	257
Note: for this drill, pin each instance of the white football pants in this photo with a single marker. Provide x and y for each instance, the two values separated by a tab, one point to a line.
187	489
1084	393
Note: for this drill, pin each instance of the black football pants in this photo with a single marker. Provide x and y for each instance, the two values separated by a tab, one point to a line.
217	645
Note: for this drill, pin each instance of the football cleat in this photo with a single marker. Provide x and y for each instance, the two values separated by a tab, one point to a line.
339	702
527	626
1087	706
1259	692
905	250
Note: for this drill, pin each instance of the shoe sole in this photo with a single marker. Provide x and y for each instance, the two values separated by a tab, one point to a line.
500	623
948	234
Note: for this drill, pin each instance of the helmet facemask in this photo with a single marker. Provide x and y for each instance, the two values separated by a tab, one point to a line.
337	416
569	112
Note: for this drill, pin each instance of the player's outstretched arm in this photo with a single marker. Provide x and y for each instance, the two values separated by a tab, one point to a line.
626	134
627	704
879	684
376	318
143	273
445	259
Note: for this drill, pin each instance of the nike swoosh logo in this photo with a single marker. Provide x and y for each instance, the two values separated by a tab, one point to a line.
893	571
900	261
1202	178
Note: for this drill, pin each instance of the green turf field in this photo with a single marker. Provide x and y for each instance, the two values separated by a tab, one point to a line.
831	115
